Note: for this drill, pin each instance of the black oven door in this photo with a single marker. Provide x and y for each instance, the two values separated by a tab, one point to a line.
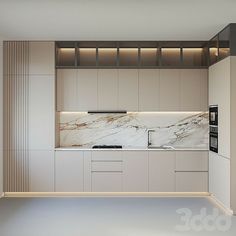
213	142
213	115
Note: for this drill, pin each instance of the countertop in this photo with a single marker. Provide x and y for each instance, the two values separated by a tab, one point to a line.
131	149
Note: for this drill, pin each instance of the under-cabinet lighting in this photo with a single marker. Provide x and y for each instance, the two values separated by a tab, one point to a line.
128	49
171	49
107	49
87	49
148	49
141	112
214	50
192	49
67	49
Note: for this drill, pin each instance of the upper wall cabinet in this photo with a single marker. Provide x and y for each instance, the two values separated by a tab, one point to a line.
223	45
67	90
41	58
149	90
128	89
87	94
193	90
107	89
170	90
132	89
131	54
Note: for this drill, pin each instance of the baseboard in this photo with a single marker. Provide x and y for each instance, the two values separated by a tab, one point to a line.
106	194
220	204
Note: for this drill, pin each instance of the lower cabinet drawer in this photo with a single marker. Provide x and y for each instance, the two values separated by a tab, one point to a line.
191	181
107	181
107	166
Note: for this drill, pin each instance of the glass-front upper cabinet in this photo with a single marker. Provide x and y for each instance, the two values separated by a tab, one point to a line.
170	54
132	54
213	50
149	54
107	54
224	45
66	54
128	54
194	54
86	54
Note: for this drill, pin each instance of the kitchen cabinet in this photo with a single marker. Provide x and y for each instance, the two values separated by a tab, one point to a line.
41	112
191	181
1	118
107	171
169	90
67	90
135	171
41	171
128	89
148	90
86	92
192	161
204	89
130	171
191	171
107	181
107	89
161	171
41	58
193	90
69	171
132	89
219	94
219	178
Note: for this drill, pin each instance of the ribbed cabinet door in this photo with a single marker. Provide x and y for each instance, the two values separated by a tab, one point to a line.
1	118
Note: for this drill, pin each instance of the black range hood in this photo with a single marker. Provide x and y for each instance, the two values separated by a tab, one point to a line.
107	111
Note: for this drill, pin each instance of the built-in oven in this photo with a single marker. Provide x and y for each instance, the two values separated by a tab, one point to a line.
213	115
213	139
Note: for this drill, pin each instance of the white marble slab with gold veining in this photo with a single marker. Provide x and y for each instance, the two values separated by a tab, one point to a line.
177	129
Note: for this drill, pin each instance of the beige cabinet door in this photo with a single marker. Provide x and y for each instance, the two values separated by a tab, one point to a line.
67	90
192	181
161	171
148	90
190	90
1	118
128	89
107	89
41	112
135	171
219	178
41	171
69	171
204	80
191	160
219	94
41	58
170	90
87	89
107	181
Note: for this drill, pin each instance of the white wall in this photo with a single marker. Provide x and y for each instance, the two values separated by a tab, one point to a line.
1	116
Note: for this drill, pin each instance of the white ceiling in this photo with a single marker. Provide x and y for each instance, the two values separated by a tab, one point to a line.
114	20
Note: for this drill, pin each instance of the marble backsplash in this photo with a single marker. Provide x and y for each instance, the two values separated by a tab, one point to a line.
177	129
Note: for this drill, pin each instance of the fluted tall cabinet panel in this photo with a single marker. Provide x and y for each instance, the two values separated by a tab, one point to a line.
16	115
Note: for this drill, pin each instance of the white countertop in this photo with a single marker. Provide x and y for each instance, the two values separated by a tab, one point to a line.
131	149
